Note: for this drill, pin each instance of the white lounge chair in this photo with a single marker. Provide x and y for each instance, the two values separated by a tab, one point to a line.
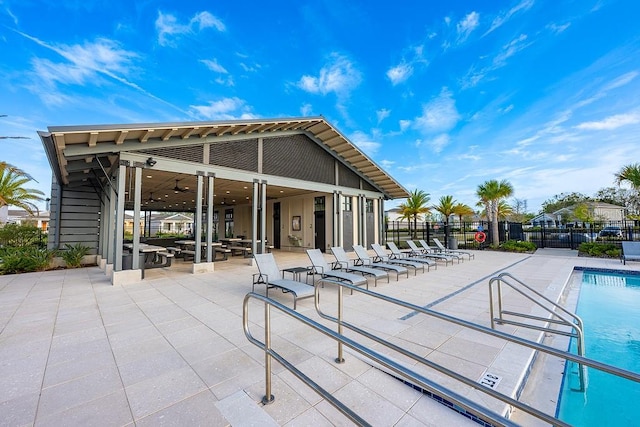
428	249
398	256
321	267
365	259
383	256
444	250
343	262
271	276
630	252
423	253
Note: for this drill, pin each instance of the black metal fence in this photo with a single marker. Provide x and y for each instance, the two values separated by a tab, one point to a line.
464	235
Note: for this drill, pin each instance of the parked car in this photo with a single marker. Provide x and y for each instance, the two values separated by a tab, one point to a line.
615	232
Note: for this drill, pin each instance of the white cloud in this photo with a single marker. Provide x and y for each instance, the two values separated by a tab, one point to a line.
503	17
224	109
506	109
474	76
438	115
387	164
364	142
399	73
557	29
306	110
438	143
621	81
510	49
214	65
169	28
382	114
250	68
206	20
404	124
225	81
611	122
339	76
467	25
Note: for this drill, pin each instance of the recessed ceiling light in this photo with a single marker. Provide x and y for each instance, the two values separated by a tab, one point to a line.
233	200
149	176
281	191
228	191
245	187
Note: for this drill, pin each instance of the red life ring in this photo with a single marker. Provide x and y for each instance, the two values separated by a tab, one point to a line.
480	237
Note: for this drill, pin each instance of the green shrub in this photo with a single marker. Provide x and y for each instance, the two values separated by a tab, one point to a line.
602	250
72	255
24	259
17	236
518	246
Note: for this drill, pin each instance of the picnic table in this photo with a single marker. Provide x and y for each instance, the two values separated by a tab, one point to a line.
151	256
187	248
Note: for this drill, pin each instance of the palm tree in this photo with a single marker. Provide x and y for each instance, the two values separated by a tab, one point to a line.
414	206
490	194
504	209
446	209
462	210
12	191
630	174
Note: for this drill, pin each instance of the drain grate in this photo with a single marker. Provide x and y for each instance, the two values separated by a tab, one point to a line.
490	380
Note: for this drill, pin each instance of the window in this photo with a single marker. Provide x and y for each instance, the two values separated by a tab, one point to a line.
369	206
228	223
347	203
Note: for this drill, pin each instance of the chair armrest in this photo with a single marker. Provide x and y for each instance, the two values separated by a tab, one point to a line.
316	269
336	265
260	278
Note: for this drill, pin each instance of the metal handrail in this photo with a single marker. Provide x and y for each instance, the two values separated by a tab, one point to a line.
567	318
479	328
460	401
463	402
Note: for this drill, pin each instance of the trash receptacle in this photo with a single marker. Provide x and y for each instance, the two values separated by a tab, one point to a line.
453	243
127	261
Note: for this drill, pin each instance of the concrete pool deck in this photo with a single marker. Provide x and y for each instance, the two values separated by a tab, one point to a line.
75	350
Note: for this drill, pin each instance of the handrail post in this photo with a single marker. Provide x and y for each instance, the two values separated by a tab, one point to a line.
340	358
500	299
268	397
491	315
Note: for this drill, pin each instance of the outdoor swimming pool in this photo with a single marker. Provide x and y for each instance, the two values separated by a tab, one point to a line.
609	305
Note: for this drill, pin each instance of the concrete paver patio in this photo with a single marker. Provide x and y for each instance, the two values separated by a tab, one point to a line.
75	350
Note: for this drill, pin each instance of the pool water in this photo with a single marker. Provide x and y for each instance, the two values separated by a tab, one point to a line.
609	305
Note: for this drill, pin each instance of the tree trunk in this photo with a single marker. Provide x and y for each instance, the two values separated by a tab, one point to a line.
495	233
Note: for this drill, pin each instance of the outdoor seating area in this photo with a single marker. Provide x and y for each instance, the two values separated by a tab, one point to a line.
171	349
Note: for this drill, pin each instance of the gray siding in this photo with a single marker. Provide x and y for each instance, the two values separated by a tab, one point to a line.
75	217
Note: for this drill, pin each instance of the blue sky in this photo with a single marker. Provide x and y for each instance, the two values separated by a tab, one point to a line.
443	94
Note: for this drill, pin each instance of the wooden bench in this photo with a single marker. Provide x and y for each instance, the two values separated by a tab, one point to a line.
237	250
161	259
221	250
175	251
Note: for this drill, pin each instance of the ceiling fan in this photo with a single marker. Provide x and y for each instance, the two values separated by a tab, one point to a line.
178	189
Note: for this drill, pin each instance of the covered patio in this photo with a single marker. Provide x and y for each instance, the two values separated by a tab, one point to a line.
288	183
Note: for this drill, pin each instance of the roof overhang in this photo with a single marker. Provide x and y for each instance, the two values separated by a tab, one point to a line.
77	152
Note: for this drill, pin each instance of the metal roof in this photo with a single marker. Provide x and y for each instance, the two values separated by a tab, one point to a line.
74	151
